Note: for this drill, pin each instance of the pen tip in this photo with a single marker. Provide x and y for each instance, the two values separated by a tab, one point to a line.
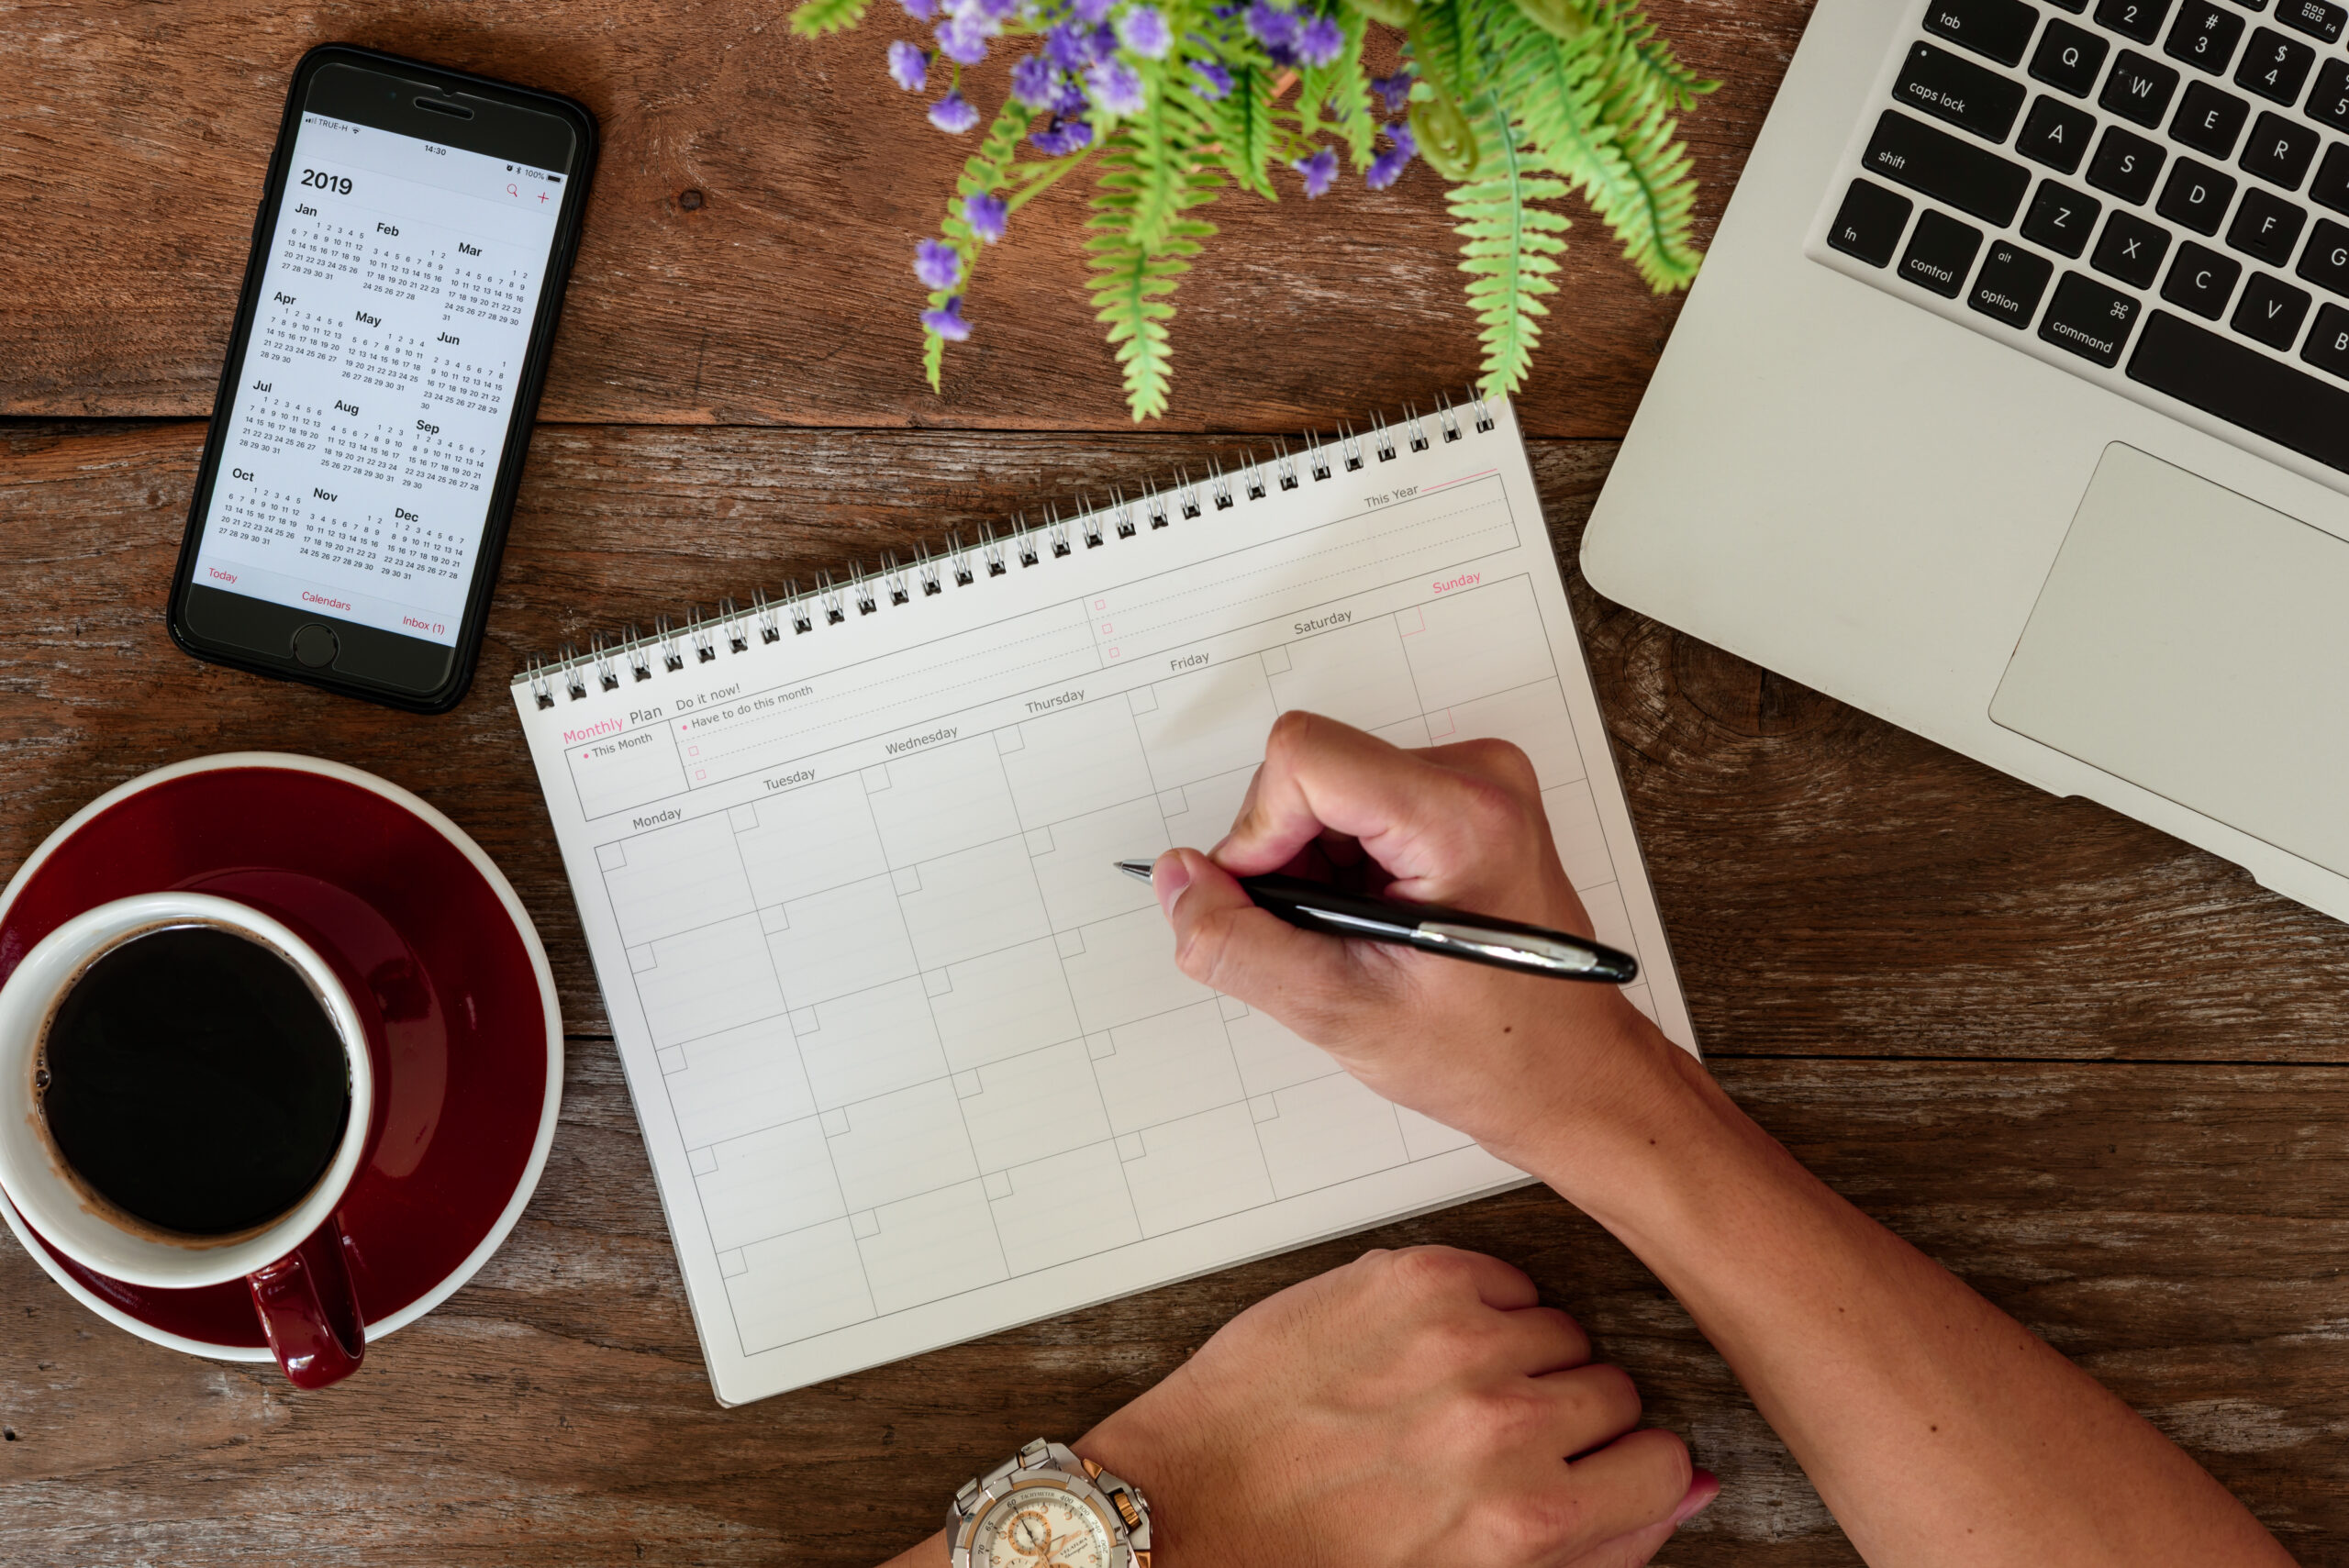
1139	869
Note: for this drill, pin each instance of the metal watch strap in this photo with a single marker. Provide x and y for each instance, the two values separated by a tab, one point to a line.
975	1496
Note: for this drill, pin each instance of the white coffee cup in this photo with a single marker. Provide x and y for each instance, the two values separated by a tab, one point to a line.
43	1187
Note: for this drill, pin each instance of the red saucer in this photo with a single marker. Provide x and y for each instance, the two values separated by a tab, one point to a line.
437	955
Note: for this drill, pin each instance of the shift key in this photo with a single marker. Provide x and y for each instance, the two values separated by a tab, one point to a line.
1955	172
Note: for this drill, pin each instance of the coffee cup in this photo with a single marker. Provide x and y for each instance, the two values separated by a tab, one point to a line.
150	1136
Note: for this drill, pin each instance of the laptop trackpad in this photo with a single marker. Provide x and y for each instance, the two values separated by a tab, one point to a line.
2197	644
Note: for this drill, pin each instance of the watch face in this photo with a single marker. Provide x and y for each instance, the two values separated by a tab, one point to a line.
1042	1527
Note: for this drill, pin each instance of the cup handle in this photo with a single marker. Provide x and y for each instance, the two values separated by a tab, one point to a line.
310	1311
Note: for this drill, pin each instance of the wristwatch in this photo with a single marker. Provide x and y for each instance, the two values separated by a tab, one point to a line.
1044	1508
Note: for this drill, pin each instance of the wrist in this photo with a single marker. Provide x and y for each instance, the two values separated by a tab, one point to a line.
1142	1445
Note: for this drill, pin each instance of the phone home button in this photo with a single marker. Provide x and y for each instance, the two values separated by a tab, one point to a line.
315	646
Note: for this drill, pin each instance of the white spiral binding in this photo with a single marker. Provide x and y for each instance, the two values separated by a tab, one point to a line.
731	629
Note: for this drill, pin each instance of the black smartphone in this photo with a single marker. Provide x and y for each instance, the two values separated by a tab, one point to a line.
398	309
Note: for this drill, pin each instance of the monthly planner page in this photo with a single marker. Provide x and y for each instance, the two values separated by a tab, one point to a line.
913	1058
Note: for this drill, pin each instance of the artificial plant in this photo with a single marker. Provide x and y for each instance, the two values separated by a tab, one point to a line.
1513	102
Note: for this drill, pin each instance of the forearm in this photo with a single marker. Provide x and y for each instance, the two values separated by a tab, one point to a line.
1938	1430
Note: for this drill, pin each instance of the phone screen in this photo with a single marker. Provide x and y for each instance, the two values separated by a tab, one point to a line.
386	357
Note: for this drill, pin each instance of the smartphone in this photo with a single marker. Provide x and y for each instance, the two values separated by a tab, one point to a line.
398	309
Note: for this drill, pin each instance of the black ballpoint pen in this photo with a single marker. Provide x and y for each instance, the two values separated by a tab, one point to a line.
1453	933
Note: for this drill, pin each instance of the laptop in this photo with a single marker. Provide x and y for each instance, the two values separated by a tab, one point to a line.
2013	405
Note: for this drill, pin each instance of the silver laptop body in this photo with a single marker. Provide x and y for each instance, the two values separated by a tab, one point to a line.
1979	423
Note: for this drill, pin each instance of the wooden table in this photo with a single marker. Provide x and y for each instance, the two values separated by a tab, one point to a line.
2101	1075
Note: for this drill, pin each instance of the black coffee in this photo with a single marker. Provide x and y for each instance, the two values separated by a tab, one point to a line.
194	1080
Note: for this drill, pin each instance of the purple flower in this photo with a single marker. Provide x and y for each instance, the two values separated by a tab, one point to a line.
947	321
985	215
953	115
1071	105
1032	83
1115	86
1069	48
1214	80
1320	40
1062	136
1395	90
962	38
1273	28
997	11
1144	30
936	265
1387	167
1092	13
1319	171
919	10
909	67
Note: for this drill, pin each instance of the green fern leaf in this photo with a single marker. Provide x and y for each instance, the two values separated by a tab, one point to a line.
1649	55
1142	243
813	19
1336	97
1445	48
1509	251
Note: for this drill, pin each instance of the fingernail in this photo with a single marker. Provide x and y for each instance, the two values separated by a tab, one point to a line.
1703	1487
1168	878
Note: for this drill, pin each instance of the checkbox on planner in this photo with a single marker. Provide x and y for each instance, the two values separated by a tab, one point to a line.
1441	724
1129	1147
1009	739
1070	943
640	959
1143	699
692	750
836	1124
701	773
967	1085
804	1021
937	982
1262	1108
611	857
1235	1010
744	817
1172	803
1100	1046
1277	662
905	880
704	1162
731	1265
673	1058
1040	842
773	918
998	1184
865	1223
876	778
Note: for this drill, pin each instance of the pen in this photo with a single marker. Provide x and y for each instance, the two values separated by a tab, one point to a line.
1453	933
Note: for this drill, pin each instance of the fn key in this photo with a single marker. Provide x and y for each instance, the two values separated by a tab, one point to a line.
1868	224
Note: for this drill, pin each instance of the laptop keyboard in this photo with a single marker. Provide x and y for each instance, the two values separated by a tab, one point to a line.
2154	194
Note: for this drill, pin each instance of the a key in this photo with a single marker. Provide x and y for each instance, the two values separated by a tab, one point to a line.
2208	121
1998	28
2318	18
2204	36
2266	226
2061	218
2090	319
2008	286
2274	67
2055	134
1951	87
2137	20
2326	260
2270	311
2238	384
1868	224
2201	281
2279	150
2126	164
1940	166
2068	57
2328	345
2138	89
2131	250
1940	253
2195	195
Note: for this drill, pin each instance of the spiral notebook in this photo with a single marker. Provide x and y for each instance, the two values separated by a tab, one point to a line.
913	1060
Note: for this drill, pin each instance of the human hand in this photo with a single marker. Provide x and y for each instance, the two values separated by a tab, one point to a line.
1499	1056
1409	1408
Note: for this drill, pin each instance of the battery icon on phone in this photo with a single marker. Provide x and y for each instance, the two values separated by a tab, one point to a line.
554	179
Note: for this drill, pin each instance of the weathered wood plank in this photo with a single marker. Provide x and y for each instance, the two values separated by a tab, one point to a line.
2176	1229
133	148
1831	885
